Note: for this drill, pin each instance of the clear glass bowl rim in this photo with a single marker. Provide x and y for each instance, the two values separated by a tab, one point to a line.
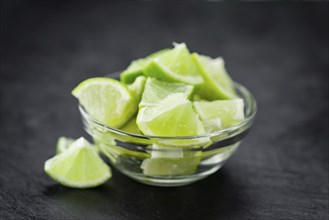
251	109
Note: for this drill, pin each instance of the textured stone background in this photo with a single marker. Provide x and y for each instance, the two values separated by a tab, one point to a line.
278	50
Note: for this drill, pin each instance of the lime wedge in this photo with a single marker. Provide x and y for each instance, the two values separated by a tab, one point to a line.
156	90
137	88
63	144
107	100
175	65
136	68
230	112
173	116
218	84
78	167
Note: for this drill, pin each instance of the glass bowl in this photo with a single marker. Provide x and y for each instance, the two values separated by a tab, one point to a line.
170	161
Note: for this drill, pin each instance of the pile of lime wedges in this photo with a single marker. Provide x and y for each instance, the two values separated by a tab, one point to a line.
169	93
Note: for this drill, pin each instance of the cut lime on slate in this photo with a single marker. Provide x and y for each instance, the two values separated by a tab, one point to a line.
155	91
175	65
218	84
107	100
230	112
78	167
173	116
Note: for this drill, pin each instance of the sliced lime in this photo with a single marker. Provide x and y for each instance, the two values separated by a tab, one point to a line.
230	112
78	167
63	144
173	116
218	84
136	68
107	100
175	65
155	91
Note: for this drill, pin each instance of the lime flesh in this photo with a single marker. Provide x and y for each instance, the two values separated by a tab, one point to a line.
218	84
155	91
230	112
78	167
173	116
175	65
107	100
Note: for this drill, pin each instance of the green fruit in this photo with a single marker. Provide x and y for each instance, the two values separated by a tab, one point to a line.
78	167
175	65
218	84
107	100
230	112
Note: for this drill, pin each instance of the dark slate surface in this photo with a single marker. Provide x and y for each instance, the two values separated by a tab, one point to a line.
278	50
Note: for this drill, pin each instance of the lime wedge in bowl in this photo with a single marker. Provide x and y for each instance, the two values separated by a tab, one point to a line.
218	84
173	116
156	90
78	167
230	112
175	65
106	100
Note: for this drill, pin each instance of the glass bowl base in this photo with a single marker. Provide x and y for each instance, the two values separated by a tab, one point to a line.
170	181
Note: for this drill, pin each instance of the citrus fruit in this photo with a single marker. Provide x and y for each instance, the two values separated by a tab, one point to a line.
107	100
218	84
155	91
230	112
173	116
78	167
175	65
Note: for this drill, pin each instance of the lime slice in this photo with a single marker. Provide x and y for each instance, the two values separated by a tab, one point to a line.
136	68
131	127
175	65
173	116
137	88
63	144
156	90
230	112
107	100
78	167
218	84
